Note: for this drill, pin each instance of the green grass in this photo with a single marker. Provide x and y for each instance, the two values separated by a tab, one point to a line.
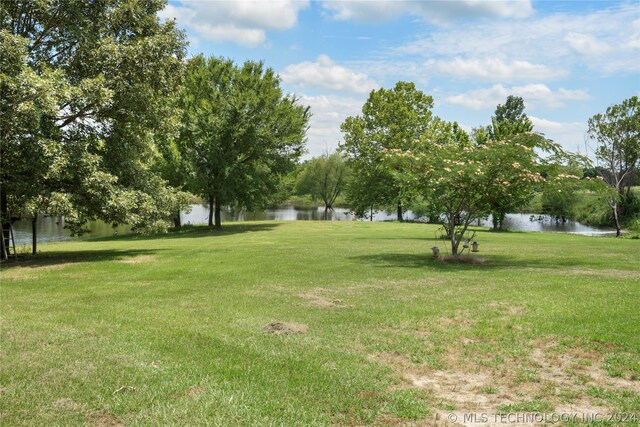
168	330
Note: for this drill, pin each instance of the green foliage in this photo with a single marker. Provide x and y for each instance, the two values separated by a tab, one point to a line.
560	196
460	181
323	178
617	133
240	133
86	90
391	119
509	120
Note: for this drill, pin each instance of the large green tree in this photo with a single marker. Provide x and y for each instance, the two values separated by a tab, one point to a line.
617	133
391	119
85	90
239	132
509	120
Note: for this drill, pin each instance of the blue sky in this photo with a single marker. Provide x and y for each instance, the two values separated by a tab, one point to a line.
568	60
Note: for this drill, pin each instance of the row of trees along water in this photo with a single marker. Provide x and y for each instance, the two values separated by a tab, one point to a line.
103	117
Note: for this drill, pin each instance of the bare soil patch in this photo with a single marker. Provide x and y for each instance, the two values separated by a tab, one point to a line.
554	374
140	259
284	328
196	390
314	299
67	403
103	418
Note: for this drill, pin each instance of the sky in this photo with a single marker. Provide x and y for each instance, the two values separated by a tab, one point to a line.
568	60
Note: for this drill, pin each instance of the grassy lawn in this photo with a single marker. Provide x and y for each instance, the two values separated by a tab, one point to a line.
178	329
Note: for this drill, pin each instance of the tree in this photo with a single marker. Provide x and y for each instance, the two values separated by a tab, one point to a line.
509	120
85	91
323	178
559	200
617	133
458	178
391	119
239	132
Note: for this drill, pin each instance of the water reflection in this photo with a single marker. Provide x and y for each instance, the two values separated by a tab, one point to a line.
200	214
52	228
528	222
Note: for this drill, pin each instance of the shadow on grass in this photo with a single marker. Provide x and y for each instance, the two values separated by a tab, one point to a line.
492	262
417	261
193	231
54	258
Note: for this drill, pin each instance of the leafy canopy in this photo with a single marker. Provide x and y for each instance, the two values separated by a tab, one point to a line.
239	132
323	178
391	119
86	88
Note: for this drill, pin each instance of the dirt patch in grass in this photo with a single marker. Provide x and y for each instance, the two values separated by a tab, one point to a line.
284	328
67	403
29	268
461	319
618	274
140	259
196	390
103	418
568	366
508	308
552	377
18	273
314	299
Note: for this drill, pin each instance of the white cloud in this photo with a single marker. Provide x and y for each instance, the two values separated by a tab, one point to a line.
610	37
533	94
328	113
571	135
493	69
242	21
392	70
324	72
586	44
437	11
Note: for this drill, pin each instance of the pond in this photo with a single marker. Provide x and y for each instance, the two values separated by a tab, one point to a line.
51	229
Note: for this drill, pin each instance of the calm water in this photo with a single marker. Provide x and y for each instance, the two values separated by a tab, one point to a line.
51	228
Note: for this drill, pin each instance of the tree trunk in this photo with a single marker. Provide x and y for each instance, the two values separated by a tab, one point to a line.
326	212
371	214
616	218
34	234
176	221
211	211
454	243
4	249
399	211
497	219
218	224
5	223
